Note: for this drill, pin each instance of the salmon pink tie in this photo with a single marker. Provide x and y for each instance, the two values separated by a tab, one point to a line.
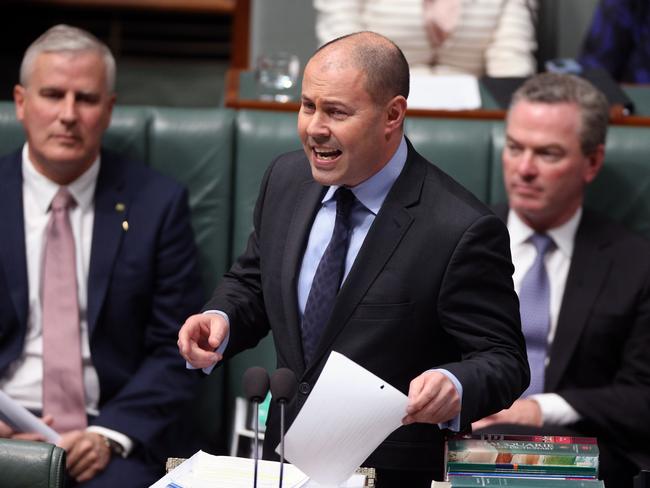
63	388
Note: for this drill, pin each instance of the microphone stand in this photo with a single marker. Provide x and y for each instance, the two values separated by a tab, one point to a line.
281	441
257	442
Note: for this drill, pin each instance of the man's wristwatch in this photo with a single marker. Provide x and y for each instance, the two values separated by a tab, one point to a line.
115	447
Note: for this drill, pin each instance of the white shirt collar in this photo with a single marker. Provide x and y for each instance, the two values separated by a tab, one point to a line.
563	236
44	189
372	192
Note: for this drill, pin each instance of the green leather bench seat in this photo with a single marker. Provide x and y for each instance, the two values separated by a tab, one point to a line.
29	464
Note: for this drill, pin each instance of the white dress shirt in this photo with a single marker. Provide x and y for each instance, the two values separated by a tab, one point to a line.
24	378
555	410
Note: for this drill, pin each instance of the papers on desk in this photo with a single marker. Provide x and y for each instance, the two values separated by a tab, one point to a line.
204	470
349	412
444	92
22	420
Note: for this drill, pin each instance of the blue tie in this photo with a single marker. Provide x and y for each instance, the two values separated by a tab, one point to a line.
327	279
534	303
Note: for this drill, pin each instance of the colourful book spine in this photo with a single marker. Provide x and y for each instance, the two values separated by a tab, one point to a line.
512	482
555	439
481	450
522	469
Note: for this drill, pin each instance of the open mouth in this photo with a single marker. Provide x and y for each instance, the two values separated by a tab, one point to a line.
327	154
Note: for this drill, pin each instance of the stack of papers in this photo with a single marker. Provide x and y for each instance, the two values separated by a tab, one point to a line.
204	470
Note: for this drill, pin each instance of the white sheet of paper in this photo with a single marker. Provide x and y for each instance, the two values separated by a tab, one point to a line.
23	420
234	472
204	470
444	92
349	412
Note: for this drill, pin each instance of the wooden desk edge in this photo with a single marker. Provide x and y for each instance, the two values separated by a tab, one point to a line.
232	100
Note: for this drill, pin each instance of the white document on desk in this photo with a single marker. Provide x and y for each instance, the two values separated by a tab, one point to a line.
22	420
444	92
349	412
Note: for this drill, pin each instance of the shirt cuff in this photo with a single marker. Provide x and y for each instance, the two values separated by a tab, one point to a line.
222	346
452	424
121	439
555	409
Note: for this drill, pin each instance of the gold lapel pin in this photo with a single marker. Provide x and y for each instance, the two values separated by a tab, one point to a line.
125	225
120	207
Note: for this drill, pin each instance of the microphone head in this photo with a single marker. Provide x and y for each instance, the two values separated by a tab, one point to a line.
256	384
283	385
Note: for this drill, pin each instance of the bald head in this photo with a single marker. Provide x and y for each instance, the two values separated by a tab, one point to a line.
383	63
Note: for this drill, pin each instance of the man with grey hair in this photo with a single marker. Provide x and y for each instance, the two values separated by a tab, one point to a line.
97	269
586	316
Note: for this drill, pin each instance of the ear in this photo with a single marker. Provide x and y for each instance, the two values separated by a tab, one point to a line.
19	101
595	163
395	113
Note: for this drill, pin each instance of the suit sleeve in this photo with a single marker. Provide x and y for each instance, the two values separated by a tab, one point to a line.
618	409
479	309
158	384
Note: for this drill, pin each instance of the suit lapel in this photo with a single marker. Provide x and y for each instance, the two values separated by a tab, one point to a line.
590	266
310	195
390	225
107	232
12	230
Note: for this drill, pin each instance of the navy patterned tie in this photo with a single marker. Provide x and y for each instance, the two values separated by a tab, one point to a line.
327	279
534	303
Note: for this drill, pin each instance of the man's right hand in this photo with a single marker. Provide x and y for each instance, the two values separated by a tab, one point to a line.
200	335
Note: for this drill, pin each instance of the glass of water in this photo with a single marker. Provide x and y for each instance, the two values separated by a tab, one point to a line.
277	75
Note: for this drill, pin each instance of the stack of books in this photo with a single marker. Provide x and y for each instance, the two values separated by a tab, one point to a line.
522	461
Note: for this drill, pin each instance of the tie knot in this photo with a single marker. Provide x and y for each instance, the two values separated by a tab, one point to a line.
344	200
63	200
542	242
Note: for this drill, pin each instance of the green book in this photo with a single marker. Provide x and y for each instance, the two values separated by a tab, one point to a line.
522	469
517	482
516	452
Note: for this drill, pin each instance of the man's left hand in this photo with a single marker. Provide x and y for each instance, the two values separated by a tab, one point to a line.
87	453
523	412
433	399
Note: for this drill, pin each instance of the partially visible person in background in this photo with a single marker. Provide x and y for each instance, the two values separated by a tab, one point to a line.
583	282
619	40
98	267
478	37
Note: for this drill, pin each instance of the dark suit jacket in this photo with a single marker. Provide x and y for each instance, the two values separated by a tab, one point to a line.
430	287
600	358
142	284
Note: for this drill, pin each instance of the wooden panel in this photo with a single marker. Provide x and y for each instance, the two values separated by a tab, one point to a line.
212	6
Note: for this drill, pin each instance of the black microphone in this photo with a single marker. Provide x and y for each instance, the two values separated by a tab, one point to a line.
256	386
283	389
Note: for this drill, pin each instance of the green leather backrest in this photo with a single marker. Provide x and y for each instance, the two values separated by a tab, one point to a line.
28	464
260	137
461	148
195	147
621	190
